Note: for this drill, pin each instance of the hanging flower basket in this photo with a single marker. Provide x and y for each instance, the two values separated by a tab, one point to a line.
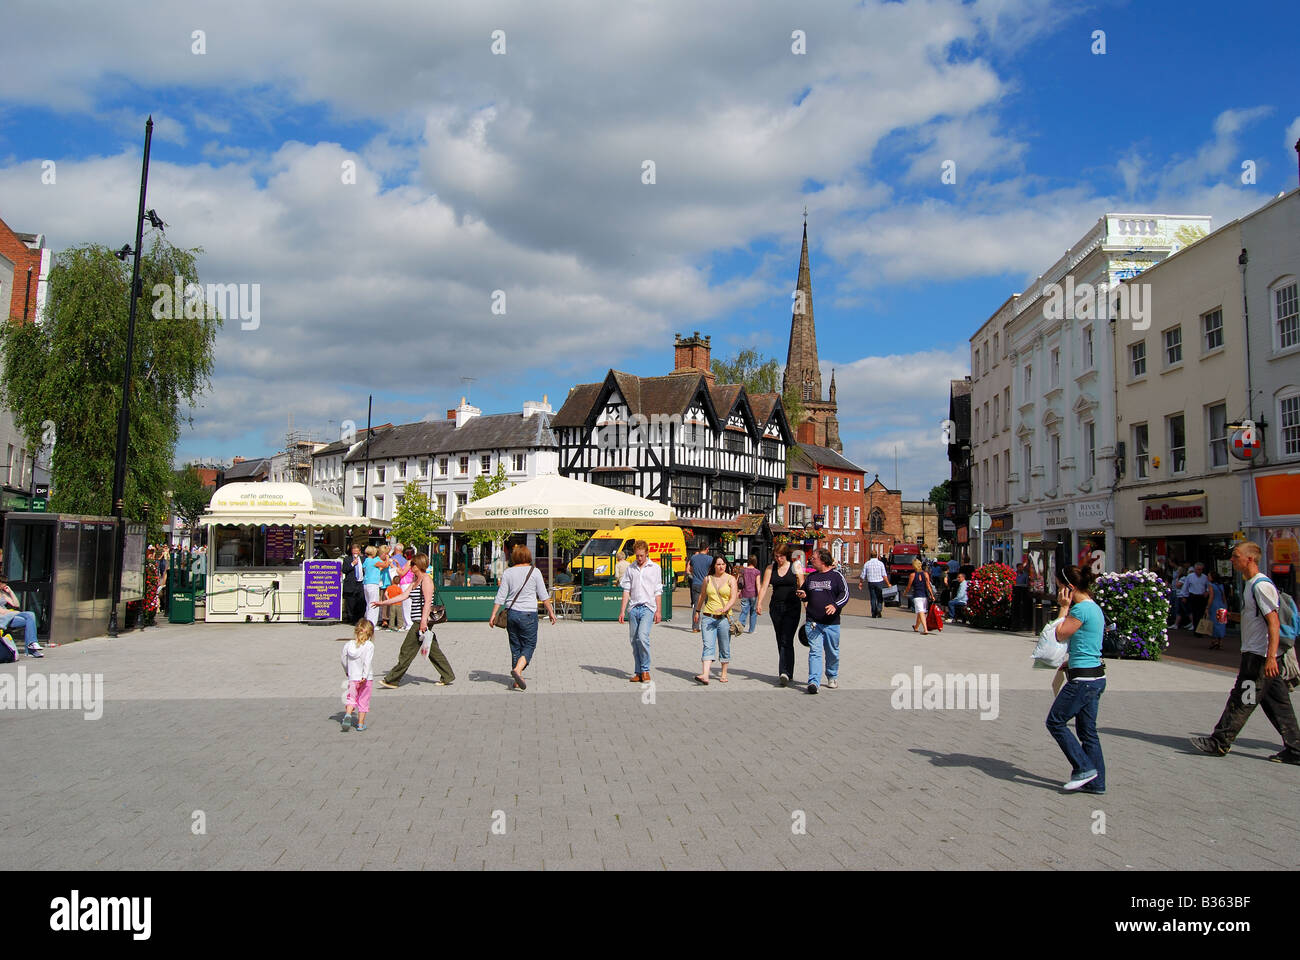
1137	604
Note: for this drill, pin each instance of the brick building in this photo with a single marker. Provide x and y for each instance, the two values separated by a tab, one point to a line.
25	295
824	488
882	523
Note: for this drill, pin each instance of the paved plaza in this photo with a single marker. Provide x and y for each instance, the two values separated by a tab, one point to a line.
234	729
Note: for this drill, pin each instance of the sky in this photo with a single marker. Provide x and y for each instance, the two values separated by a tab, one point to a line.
387	173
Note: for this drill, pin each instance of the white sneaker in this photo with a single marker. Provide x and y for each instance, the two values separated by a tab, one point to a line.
1075	783
832	683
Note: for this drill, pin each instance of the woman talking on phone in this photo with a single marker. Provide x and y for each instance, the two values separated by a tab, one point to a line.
1085	674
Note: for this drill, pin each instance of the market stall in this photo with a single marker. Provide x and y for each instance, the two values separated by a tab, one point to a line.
563	502
275	553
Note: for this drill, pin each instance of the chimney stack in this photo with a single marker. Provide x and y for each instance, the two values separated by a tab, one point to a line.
692	355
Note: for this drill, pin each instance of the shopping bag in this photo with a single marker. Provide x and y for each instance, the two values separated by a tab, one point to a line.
933	619
426	639
1203	627
1049	652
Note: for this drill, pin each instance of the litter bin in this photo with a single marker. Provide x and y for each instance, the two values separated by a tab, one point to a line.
1044	613
180	608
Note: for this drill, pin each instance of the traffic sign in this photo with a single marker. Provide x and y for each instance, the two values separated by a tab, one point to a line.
979	522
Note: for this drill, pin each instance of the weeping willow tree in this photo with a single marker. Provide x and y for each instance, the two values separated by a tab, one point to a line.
66	371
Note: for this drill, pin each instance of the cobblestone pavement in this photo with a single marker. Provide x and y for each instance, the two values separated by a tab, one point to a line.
585	770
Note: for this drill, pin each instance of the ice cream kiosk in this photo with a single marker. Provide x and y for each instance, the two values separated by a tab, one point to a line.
275	553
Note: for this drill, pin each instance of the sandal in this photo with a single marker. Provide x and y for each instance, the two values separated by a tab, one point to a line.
722	680
702	681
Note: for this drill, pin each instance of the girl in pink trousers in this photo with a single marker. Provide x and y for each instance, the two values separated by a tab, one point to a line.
358	657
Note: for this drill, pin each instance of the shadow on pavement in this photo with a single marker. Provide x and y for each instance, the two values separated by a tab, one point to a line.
1181	744
484	676
1000	769
608	671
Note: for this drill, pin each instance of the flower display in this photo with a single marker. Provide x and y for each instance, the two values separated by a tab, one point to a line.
1137	603
988	598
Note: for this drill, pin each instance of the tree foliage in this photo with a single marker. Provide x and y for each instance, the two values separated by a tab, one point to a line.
189	497
485	487
760	374
941	495
68	369
416	519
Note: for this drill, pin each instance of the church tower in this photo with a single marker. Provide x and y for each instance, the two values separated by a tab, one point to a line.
821	426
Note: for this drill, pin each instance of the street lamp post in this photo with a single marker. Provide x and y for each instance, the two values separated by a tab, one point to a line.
124	411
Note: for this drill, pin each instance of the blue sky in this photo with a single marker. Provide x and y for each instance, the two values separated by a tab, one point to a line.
521	172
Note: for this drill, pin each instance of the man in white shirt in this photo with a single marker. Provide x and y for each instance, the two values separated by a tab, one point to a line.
873	579
1197	585
643	589
1259	679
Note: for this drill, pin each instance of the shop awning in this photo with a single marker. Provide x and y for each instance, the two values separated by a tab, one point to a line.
279	504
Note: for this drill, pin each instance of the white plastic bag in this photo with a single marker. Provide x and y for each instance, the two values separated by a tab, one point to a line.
1049	652
426	639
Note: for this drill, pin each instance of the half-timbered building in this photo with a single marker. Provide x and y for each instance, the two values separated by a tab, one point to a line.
710	450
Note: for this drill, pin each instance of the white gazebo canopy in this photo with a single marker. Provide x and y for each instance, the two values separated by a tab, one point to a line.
296	504
553	501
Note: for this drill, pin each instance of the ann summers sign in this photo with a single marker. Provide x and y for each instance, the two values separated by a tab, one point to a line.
1175	511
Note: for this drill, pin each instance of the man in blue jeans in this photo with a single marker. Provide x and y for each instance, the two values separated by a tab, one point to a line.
749	580
643	588
959	600
827	593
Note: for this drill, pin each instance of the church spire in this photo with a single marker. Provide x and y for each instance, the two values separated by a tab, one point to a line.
832	393
801	368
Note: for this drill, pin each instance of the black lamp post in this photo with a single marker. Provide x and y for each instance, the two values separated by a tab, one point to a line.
124	412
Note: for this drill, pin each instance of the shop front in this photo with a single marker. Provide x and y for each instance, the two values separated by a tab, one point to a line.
276	553
1001	545
1170	529
1093	531
1271	503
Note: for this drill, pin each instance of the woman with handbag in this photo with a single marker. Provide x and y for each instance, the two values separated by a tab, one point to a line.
921	591
719	594
420	592
784	581
523	584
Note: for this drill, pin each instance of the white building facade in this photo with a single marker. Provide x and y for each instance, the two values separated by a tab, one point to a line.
1062	381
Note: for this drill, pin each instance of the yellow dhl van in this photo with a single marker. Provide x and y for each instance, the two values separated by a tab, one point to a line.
595	556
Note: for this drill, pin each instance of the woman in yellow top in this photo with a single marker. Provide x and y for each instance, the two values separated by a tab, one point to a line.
719	595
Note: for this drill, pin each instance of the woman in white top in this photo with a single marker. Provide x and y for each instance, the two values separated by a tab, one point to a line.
522	588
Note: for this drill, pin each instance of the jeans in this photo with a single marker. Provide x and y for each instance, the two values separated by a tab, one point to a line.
749	613
785	620
717	638
28	620
1078	701
823	638
1196	604
877	592
952	609
639	621
521	628
1273	695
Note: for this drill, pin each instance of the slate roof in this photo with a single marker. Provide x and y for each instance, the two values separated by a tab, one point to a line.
669	394
827	457
248	469
498	431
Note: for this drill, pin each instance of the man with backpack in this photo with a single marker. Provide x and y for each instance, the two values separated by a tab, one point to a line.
1268	630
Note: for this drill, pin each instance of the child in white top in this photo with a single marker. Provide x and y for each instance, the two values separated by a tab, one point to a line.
358	657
